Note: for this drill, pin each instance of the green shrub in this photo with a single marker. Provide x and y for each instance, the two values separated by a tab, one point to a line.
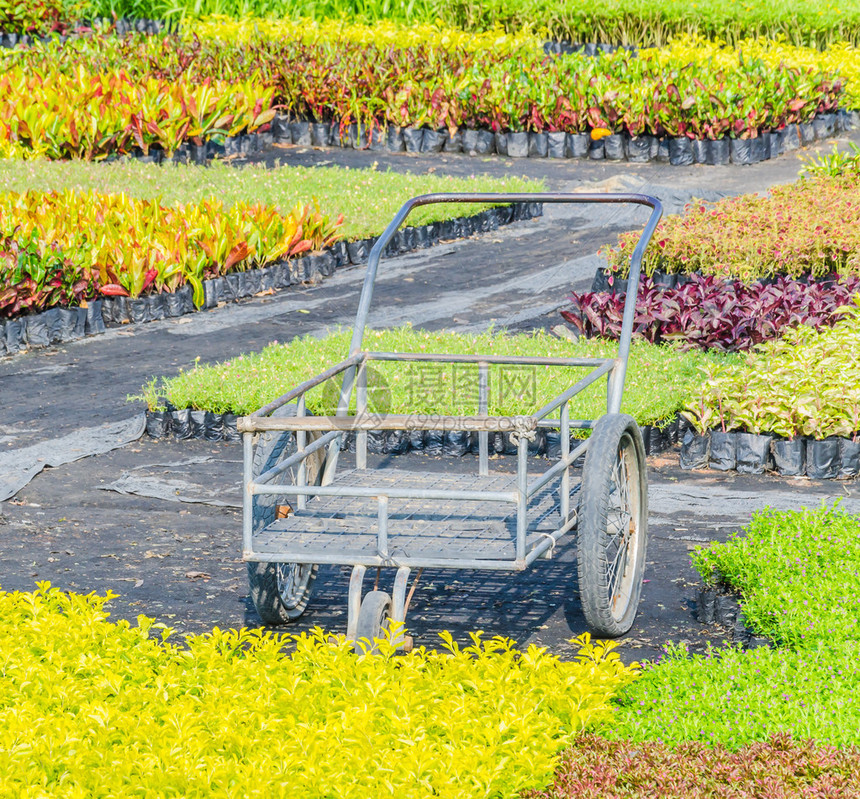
659	378
89	708
733	698
806	383
798	573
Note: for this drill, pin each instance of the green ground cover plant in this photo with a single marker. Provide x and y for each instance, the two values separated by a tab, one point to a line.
91	708
659	379
809	227
798	574
615	21
803	384
367	198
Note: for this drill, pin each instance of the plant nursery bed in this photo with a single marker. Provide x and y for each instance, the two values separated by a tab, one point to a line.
225	95
173	281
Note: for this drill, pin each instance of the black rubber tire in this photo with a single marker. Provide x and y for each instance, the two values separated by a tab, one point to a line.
280	591
612	529
373	616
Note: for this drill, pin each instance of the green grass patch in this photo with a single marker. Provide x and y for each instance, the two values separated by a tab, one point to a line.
91	708
798	573
659	378
368	198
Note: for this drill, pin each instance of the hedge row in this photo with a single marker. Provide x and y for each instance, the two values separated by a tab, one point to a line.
810	227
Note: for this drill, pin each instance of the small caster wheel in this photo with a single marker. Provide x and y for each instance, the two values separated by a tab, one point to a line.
373	617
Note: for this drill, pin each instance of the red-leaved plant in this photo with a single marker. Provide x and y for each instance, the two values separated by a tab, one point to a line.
714	314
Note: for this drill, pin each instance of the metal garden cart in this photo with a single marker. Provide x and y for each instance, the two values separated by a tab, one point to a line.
301	511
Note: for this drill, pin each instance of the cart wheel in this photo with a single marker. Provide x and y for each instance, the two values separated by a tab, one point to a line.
280	591
373	617
613	525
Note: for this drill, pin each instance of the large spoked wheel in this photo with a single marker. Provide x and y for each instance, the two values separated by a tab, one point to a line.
373	617
280	591
613	525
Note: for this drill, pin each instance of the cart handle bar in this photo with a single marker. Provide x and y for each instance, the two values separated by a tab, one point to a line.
617	379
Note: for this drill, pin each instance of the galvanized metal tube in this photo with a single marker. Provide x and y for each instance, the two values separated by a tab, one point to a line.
341	490
404	421
522	495
575	424
564	433
487	198
301	442
247	493
616	389
375	561
549	541
247	422
591	377
398	595
353	603
527	360
382	527
483	408
361	410
296	457
539	482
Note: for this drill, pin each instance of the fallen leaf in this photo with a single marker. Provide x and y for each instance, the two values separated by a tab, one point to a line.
192	575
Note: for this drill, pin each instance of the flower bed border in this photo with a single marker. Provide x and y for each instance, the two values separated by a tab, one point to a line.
619	147
677	151
719	605
831	458
187	424
62	324
119	27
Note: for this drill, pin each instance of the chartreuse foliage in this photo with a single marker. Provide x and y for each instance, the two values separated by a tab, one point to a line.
641	22
367	198
798	574
381	33
659	379
805	383
91	708
122	246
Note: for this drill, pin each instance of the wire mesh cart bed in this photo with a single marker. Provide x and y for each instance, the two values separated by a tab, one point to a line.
301	511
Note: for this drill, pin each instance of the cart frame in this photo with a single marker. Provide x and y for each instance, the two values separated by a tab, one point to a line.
314	433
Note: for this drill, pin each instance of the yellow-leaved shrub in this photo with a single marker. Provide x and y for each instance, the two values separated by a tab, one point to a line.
91	708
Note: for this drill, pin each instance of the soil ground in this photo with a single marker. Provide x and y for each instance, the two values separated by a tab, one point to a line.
180	562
